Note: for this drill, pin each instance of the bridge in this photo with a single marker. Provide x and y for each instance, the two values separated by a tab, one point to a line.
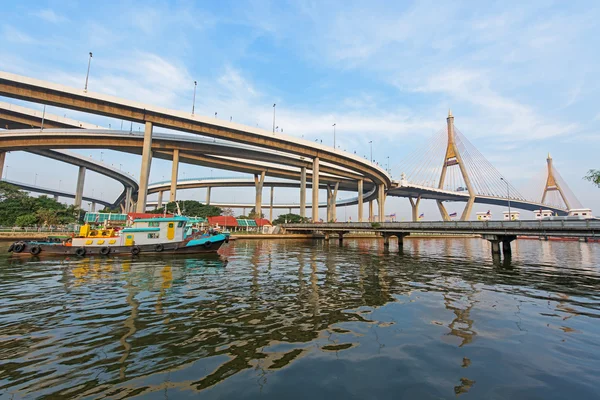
494	231
449	170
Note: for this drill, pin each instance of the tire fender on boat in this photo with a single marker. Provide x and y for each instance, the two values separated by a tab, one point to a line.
105	251
80	251
19	247
135	250
207	244
35	250
11	248
159	247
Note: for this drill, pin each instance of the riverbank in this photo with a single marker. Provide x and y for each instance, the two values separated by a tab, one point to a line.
347	236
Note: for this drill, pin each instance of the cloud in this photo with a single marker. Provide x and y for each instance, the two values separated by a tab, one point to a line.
12	34
50	16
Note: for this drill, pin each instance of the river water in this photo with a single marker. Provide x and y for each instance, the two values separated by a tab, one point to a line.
301	319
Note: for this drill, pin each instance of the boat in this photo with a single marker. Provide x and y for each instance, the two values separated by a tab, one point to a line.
164	235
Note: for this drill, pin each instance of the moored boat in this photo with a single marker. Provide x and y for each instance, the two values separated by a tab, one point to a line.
165	235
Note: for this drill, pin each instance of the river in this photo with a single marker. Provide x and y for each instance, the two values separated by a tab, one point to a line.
294	319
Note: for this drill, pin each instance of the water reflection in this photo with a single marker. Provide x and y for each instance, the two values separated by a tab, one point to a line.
443	312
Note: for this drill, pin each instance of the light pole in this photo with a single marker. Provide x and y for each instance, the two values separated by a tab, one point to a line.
43	117
59	182
88	72
101	156
371	143
35	180
333	135
194	101
388	165
274	117
120	167
508	198
6	173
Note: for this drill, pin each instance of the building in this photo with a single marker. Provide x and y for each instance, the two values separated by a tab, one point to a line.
540	214
484	216
585	213
514	216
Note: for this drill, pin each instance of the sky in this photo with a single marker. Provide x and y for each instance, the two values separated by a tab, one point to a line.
520	78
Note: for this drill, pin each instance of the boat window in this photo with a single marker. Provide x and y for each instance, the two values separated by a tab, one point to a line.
180	224
153	235
153	224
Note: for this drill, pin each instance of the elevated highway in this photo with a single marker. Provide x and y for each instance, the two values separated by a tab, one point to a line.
38	91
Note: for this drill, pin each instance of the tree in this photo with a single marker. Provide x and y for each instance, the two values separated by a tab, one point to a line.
593	176
26	220
111	210
290	219
228	212
253	215
191	208
47	217
11	192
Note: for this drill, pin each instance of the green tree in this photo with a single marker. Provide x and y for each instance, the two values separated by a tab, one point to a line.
290	219
15	203
190	208
47	217
111	210
26	220
593	176
253	215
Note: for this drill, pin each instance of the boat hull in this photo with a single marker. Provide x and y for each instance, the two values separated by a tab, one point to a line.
50	249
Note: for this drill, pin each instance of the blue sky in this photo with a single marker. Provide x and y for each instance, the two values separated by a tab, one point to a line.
521	79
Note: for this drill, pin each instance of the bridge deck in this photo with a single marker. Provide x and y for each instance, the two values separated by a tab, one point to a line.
571	228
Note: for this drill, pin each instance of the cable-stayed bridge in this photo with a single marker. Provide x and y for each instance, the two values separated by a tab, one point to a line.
450	168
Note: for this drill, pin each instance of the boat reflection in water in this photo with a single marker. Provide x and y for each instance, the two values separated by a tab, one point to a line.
306	319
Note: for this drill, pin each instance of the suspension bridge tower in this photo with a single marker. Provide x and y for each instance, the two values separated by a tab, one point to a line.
452	158
553	185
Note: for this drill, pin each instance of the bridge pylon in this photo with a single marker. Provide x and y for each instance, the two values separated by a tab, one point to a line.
453	157
552	184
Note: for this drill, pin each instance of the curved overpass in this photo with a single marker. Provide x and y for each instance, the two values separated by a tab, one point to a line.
38	91
54	192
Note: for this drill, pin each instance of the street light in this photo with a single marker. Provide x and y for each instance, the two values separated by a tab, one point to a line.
371	143
508	198
6	173
35	180
194	101
388	165
101	154
88	72
333	135
274	117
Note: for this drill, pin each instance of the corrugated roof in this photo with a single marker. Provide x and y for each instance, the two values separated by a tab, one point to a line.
246	222
262	222
223	220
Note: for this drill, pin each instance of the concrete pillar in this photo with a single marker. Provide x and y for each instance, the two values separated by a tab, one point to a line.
326	237
208	197
55	197
386	240
258	183
341	237
271	208
415	208
371	211
506	248
174	176
93	207
145	168
79	188
128	192
381	202
360	200
159	204
303	192
333	202
2	160
328	203
315	190
443	211
495	246
290	210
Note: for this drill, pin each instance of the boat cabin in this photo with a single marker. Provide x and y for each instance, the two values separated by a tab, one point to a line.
154	231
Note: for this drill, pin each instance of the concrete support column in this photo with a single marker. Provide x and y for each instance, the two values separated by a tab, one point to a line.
443	211
145	168
315	190
333	202
381	202
371	211
128	193
258	183
495	247
386	240
360	200
415	208
271	208
208	197
2	160
79	188
55	197
160	200
303	192
506	248
93	207
495	241
328	203
341	237
326	237
174	176
289	210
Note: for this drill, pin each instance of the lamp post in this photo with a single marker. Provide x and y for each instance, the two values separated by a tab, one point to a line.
35	180
333	135
388	165
371	143
194	100
101	156
508	198
88	72
6	173
274	117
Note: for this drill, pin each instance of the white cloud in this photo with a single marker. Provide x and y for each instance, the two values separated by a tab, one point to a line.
50	16
14	35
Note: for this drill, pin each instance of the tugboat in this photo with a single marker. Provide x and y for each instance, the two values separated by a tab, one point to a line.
165	235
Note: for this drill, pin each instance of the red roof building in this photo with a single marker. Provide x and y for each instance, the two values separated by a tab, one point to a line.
262	222
222	220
